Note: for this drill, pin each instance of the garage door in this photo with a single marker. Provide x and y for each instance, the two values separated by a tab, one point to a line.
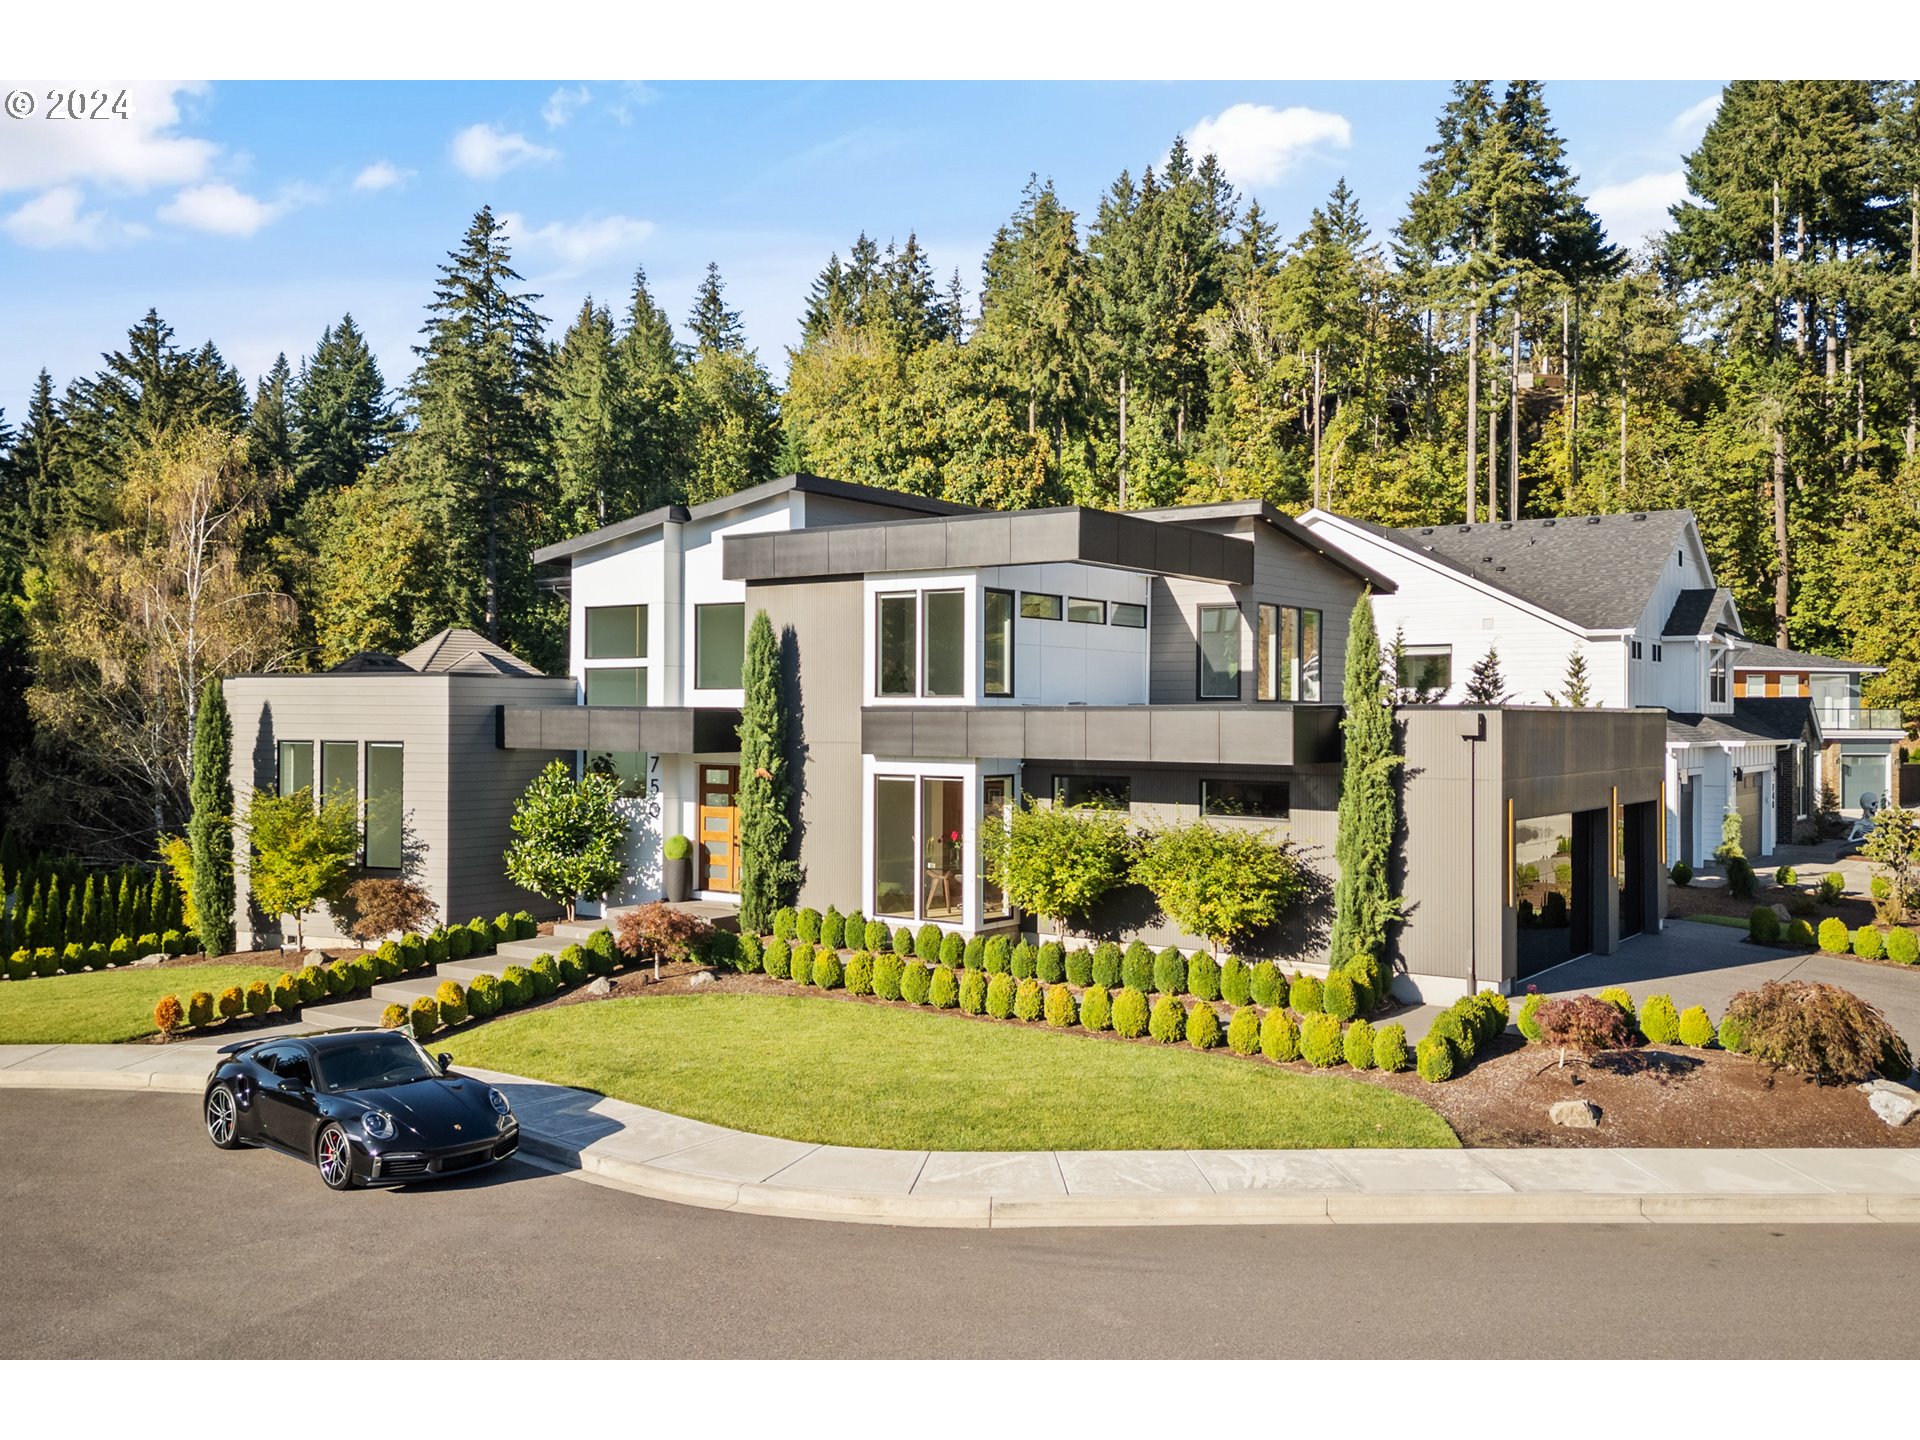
1747	800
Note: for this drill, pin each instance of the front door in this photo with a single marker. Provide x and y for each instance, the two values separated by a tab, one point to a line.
720	828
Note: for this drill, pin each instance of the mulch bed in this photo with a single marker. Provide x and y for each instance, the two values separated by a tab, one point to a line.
274	960
1685	900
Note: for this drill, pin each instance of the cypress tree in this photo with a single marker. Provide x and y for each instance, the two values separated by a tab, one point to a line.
210	831
72	930
90	911
53	915
1362	902
766	790
30	929
123	905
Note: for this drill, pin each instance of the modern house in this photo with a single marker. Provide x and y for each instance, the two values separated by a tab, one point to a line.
942	664
1860	744
1634	597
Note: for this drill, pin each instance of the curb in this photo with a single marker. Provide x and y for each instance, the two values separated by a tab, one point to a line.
1234	1207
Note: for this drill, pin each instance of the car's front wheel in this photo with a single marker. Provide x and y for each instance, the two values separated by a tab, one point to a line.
333	1153
223	1117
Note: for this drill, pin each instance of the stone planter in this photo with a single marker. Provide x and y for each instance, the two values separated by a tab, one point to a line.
676	877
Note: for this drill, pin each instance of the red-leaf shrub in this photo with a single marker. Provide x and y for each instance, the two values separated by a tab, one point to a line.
1817	1029
1584	1024
661	931
382	905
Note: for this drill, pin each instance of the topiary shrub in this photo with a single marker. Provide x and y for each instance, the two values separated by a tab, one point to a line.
452	1001
1000	995
1060	1011
1080	966
1203	978
777	957
828	973
259	998
340	979
926	942
1696	1027
1020	962
914	979
952	949
573	965
503	928
1107	965
172	942
1264	985
1660	1019
436	947
747	951
800	962
1337	998
149	943
878	936
1168	1022
286	994
783	923
1390	1049
1236	981
483	997
1136	967
973	992
73	957
1130	1013
1243	1031
1357	1045
46	961
1867	943
1902	946
903	942
545	976
516	987
888	971
20	965
833	928
1681	874
1528	1022
998	955
525	927
1279	1036
1170	972
1816	1029
1203	1027
1835	938
1617	997
943	988
1096	1008
485	941
1029	1000
1763	926
459	942
313	984
853	931
1799	935
1306	996
424	1015
1320	1041
603	950
393	1017
806	926
1831	887
168	1014
975	955
859	976
1433	1059
1050	965
1449	1026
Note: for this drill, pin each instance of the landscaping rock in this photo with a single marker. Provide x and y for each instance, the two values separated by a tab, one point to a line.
599	985
1780	911
1574	1114
146	962
1895	1104
703	978
316	957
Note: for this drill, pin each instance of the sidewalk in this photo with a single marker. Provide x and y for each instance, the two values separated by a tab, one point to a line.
689	1162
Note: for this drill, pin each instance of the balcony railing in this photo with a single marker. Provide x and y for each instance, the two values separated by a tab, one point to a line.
1857	717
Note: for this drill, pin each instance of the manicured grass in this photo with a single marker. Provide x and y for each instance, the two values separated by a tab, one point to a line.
897	1078
101	1007
1732	922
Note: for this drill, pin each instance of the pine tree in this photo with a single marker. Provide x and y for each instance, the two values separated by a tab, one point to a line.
653	449
1363	903
342	419
584	422
767	874
1576	691
730	407
210	831
715	327
1486	686
270	421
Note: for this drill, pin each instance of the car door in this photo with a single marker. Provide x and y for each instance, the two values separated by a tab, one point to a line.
286	1103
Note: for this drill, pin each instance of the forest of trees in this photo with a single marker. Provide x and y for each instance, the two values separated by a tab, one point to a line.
1490	353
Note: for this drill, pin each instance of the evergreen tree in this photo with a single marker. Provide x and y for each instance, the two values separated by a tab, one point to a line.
1576	691
270	422
1032	312
210	831
1486	686
715	328
767	874
729	403
1363	902
584	423
90	911
653	448
342	418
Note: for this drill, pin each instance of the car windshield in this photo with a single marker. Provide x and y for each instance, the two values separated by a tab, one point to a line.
375	1060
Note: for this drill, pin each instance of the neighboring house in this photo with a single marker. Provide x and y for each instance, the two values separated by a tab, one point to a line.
1860	745
412	741
1635	596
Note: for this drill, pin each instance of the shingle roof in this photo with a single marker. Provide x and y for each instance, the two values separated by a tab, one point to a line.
1754	720
365	662
456	651
1598	571
1696	612
1773	657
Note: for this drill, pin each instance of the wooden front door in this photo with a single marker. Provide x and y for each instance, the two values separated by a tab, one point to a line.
720	828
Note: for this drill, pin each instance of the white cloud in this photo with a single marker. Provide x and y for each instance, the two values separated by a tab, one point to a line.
57	220
381	175
1636	209
219	209
561	105
137	153
1258	144
574	245
1691	123
633	94
484	152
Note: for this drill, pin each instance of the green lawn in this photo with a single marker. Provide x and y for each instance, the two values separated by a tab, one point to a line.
899	1078
1732	922
104	1006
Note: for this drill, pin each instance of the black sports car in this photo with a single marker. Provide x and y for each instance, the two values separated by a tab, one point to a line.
368	1107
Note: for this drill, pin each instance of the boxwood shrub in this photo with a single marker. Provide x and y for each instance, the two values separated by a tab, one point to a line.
1433	1059
1060	1010
1168	1023
313	984
286	993
952	949
425	1017
1357	1045
73	957
1236	981
516	987
452	1001
746	953
1497	1009
436	947
1279	1036
1306	995
485	942
1050	965
393	1017
783	923
1265	984
973	992
1096	1008
1660	1019
1136	967
1029	1000
1902	947
1763	926
1528	1022
806	926
1000	996
605	955
903	942
1799	935
1080	966
1456	1032
483	997
878	937
800	962
1106	966
777	958
1696	1027
172	942
833	928
1616	996
1390	1048
504	928
943	988
828	973
853	932
914	977
259	998
525	927
926	942
573	965
888	969
1130	1012
998	955
1835	938
232	1002
975	953
1320	1041
859	974
1020	962
1170	972
546	976
1243	1031
1337	998
1203	1027
120	950
459	942
1203	977
1867	943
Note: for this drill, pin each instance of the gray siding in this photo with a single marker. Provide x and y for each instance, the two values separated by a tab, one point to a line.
483	784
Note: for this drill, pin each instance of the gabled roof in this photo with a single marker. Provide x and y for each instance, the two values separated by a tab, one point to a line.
1754	721
1279	520
457	651
1698	612
1597	571
1774	657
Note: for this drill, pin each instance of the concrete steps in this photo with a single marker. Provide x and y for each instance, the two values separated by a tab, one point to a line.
343	1014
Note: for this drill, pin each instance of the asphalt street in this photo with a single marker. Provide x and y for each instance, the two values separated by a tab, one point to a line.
128	1235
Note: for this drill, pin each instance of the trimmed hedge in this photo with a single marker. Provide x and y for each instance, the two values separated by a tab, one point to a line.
1433	1059
1357	1045
1130	1013
516	987
1000	996
1337	997
1867	943
1243	1031
827	971
998	955
1306	995
914	978
484	997
1168	1023
1060	1010
1902	947
973	992
1136	967
1029	1001
1267	984
1835	938
1108	964
1169	972
1236	981
1203	1027
1390	1048
1203	978
1320	1041
1080	967
1279	1036
1050	965
232	1002
1020	962
888	971
943	988
859	975
1696	1027
1096	1008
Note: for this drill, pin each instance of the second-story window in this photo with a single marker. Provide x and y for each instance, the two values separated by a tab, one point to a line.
895	634
616	632
1219	652
996	643
1087	612
1717	678
719	645
1286	652
944	664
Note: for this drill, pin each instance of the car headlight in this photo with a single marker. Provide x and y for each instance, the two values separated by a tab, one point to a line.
378	1124
499	1103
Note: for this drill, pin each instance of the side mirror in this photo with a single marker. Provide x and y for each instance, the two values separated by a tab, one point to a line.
444	1061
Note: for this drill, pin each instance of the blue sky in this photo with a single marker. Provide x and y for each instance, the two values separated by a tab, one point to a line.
254	214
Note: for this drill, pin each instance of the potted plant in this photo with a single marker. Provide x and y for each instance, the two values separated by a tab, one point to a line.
676	866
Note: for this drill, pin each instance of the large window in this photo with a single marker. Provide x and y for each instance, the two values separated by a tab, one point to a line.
996	793
296	766
996	643
943	833
1427	670
944	667
1309	687
1266	654
894	648
1219	652
895	867
624	685
1110	792
1260	799
616	632
385	805
719	646
340	771
919	847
